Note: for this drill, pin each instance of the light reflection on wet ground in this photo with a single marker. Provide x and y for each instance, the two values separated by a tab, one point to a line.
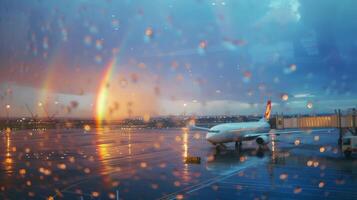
148	164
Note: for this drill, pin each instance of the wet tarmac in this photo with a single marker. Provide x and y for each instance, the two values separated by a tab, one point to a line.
150	164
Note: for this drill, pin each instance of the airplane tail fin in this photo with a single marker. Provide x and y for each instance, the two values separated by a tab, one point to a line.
192	126
267	112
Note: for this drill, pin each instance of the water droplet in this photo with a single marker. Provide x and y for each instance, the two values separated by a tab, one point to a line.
309	105
284	97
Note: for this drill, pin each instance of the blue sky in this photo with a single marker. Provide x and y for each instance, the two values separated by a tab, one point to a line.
195	57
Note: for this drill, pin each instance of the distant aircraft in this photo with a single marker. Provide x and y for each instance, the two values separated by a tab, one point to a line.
238	132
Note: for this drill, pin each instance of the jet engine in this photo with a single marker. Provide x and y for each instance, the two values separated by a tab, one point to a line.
261	140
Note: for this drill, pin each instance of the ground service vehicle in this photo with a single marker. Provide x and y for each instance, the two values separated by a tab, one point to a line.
349	145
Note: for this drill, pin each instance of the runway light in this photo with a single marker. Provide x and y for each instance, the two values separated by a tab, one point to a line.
283	176
210	158
71	159
8	130
309	163
28	183
297	190
86	127
321	184
177	183
179	196
62	166
242	159
95	194
111	196
22	171
192	160
322	149
316	164
143	164
86	170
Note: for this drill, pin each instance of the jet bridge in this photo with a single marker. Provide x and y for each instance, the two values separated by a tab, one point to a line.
344	120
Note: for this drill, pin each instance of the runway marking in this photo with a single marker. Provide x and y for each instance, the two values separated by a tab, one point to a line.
206	183
78	182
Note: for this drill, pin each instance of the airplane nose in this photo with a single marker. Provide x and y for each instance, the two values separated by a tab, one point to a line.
209	137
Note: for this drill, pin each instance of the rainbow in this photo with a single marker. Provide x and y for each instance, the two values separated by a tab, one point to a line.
100	115
47	83
103	93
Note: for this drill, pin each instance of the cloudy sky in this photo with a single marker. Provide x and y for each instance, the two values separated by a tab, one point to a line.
205	57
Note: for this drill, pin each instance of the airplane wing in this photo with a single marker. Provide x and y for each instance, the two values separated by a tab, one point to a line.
276	132
197	128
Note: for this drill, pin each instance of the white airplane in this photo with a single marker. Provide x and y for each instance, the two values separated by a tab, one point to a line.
239	132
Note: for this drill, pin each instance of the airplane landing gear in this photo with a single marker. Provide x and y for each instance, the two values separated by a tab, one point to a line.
218	150
238	145
263	147
260	153
219	147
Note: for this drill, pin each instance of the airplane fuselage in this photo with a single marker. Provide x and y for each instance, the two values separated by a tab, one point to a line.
235	132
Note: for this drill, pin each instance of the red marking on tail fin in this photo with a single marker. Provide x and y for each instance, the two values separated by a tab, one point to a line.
268	110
